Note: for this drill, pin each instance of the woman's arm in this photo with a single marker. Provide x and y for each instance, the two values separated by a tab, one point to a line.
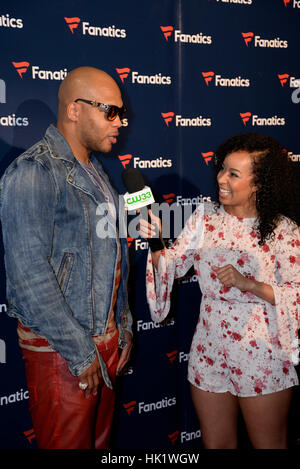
230	277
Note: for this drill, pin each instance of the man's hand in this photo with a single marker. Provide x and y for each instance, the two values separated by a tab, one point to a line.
125	354
93	377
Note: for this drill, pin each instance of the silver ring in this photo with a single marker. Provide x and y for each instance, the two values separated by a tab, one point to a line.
83	386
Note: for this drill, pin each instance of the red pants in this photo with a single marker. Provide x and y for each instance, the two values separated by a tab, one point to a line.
62	417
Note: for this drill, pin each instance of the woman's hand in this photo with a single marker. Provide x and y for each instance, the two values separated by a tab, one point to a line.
151	230
231	277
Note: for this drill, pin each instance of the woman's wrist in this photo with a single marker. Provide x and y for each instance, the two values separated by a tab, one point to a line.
251	285
261	290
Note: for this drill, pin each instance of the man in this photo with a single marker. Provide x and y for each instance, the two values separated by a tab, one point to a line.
66	283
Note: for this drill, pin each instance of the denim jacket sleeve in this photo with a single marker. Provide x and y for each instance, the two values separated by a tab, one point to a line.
28	204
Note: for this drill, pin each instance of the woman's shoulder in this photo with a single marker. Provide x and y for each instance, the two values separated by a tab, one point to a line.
286	226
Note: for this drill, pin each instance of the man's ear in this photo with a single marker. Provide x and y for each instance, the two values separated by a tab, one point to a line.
73	111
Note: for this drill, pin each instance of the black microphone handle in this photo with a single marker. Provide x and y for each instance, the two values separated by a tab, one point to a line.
155	244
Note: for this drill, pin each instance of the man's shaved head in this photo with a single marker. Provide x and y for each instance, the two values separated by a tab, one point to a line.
83	82
86	128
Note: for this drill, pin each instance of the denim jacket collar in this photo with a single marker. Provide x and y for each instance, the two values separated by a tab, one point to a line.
60	149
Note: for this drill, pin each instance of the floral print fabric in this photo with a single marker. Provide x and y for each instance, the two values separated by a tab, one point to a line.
242	344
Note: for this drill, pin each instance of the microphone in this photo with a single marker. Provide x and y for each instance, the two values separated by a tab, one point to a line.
138	196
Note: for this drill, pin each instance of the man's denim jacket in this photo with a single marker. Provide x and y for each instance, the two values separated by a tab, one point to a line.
60	273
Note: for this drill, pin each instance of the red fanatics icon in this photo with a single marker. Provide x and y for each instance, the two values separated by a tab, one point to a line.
169	199
167	31
72	23
207	156
174	436
245	116
125	159
129	241
123	73
129	407
283	78
208	76
172	355
247	37
168	117
21	67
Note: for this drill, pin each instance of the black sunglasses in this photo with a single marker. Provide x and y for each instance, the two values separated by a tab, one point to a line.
110	110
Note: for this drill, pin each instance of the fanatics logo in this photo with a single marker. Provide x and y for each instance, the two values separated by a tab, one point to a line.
73	23
296	3
219	80
21	67
29	434
261	121
172	355
208	76
275	43
141	163
136	78
168	117
129	407
169	198
37	73
240	2
167	31
91	30
125	159
179	36
207	156
247	37
123	73
245	116
283	78
129	241
174	437
185	122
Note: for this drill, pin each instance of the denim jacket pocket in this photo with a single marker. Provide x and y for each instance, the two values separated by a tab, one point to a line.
65	270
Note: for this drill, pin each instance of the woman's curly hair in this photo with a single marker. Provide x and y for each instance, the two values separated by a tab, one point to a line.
273	175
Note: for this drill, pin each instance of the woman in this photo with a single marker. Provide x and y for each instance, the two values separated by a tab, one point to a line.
245	252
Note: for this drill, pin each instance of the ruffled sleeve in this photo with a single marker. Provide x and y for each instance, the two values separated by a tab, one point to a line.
174	262
287	286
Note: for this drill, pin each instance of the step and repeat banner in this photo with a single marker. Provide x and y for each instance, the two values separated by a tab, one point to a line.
192	74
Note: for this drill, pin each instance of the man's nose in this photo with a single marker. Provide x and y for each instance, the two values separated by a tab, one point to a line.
117	122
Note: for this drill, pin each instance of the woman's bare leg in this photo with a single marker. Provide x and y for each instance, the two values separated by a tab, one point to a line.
266	419
218	415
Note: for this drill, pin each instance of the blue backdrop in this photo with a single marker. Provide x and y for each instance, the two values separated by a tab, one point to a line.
192	73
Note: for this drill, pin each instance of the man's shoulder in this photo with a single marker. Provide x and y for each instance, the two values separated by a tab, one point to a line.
37	154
